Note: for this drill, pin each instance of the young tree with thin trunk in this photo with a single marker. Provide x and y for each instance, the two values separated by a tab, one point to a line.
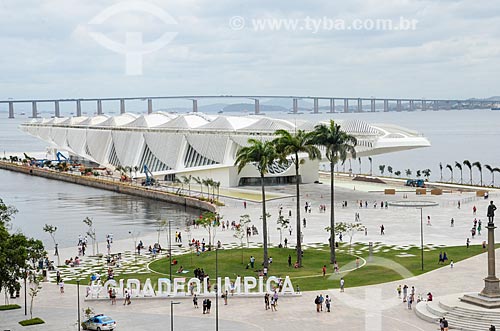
262	155
449	167
51	230
441	171
290	145
338	145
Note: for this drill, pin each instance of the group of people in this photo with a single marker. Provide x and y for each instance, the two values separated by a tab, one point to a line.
319	303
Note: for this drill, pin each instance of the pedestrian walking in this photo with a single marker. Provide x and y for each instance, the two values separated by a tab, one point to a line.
266	301
399	291
410	301
195	301
452	222
342	284
321	300
382	229
204	306
316	301
273	304
405	292
328	303
324	270
61	286
224	296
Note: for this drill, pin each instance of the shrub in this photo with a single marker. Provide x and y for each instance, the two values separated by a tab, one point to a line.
9	307
32	321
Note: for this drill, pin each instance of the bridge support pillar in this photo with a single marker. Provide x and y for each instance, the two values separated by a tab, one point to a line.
386	105
295	107
195	106
411	105
435	105
11	109
332	106
360	105
346	105
424	105
372	105
34	111
122	106
150	106
78	108
99	107
57	112
398	105
316	106
257	107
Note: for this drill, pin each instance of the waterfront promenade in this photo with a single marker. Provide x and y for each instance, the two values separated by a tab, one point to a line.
349	309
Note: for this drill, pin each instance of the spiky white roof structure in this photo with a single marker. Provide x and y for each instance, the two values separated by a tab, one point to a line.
197	143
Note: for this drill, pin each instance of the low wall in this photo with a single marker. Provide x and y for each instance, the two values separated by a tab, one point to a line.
104	184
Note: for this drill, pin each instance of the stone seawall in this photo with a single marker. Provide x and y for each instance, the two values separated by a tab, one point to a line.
115	186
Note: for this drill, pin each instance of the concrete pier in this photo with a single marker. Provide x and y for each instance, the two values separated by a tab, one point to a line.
372	105
424	105
411	105
257	107
34	111
57	112
122	106
11	109
332	106
386	105
398	105
295	107
99	107
195	106
316	106
346	105
150	106
360	105
78	108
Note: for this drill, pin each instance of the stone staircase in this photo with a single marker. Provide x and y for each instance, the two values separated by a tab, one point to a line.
460	315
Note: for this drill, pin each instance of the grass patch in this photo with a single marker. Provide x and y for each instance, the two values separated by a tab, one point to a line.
32	321
388	263
9	307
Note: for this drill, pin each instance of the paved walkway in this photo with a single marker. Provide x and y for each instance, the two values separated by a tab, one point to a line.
366	308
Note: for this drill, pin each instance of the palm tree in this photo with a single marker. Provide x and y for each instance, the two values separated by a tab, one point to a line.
397	173
469	165
419	173
338	145
290	145
427	173
451	170
459	166
371	163
381	168
187	181
200	182
477	164
493	175
262	155
389	169
408	172
206	183
491	170
217	186
441	171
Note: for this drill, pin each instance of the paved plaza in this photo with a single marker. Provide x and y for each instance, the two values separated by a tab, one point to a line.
374	307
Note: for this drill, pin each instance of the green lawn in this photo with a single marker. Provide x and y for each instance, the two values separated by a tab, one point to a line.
9	307
388	263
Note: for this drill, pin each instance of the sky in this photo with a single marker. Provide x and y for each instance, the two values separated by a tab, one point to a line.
90	48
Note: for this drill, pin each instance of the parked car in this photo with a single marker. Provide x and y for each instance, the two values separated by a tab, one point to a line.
99	323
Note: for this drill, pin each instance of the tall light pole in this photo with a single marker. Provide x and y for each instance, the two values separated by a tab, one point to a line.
135	235
25	294
172	314
216	289
170	248
421	238
78	299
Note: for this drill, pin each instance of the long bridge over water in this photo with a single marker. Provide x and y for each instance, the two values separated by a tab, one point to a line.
346	104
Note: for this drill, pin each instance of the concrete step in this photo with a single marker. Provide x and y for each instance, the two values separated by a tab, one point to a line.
422	312
435	308
464	319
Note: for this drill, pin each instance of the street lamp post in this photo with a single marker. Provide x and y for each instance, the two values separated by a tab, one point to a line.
78	299
216	289
172	314
170	247
25	294
421	238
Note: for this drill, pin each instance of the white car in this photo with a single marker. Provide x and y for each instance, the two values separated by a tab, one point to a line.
99	323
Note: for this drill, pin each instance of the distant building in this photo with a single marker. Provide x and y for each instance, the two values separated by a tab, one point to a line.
200	145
